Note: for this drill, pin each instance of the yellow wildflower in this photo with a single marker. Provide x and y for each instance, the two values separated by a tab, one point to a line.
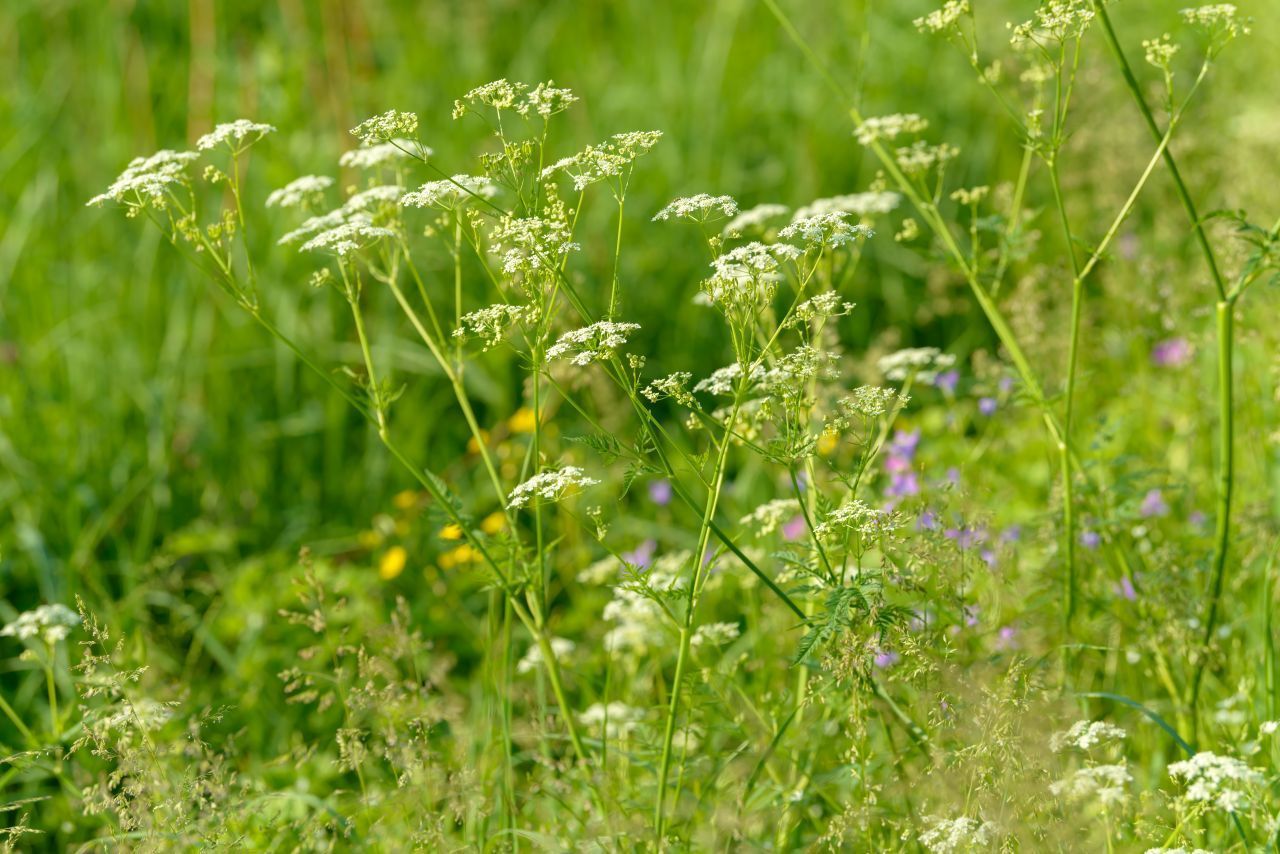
473	446
392	563
494	522
451	532
456	557
827	443
522	421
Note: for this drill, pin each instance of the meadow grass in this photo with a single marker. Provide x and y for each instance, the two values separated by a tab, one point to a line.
828	425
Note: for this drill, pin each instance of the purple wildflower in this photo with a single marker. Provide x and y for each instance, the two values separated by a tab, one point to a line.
660	492
1153	504
904	444
1172	353
1090	539
903	484
1125	589
885	659
947	381
642	555
987	406
795	528
1007	638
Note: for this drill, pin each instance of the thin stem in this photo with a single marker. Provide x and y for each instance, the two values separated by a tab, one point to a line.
1068	478
1226	484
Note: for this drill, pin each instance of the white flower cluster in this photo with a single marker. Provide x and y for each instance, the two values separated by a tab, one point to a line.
1217	780
637	619
919	157
1160	51
622	719
237	135
606	160
1108	783
386	194
858	204
766	518
490	324
955	835
383	128
550	485
860	517
752	260
529	244
379	154
925	362
148	177
715	634
724	380
825	304
544	100
591	343
943	19
49	623
300	192
1055	20
674	386
450	193
1085	735
825	231
871	401
1221	19
754	219
877	128
532	659
700	208
354	234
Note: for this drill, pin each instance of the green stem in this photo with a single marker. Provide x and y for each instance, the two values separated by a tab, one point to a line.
1226	484
1068	478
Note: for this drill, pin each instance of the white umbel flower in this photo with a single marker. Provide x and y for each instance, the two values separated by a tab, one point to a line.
700	208
591	343
344	239
391	124
955	835
1217	780
49	623
1085	735
450	193
380	154
300	192
550	485
148	178
924	361
237	135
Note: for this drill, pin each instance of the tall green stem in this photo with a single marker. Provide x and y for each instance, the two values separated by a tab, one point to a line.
1068	476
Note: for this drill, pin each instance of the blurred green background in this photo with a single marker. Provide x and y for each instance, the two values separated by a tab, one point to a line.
145	425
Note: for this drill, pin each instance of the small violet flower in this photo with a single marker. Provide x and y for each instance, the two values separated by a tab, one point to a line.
1153	504
1172	353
